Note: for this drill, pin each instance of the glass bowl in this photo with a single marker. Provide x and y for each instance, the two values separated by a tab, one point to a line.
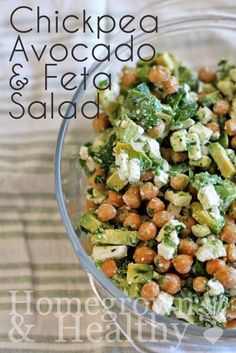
200	35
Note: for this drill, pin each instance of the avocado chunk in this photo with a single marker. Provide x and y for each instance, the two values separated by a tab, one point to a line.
115	183
115	237
204	217
222	160
89	222
128	130
139	273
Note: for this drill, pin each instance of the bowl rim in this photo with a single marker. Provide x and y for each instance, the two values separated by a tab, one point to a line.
211	21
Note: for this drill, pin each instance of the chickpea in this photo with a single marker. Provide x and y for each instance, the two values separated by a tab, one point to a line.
212	266
232	308
101	123
227	276
148	191
129	77
157	130
147	231
171	85
188	222
178	157
133	221
166	153
192	190
206	75
201	96
170	283
230	127
150	291
233	142
214	127
94	181
155	205
132	197
183	263
123	212
162	264
232	210
228	233
115	199
109	268
162	217
179	181
230	324
106	212
200	284
221	107
188	247
229	219
90	205
144	255
148	176
231	252
159	74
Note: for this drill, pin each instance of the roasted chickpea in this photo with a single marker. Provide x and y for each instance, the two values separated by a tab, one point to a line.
214	127
129	77
144	255
230	127
157	131
231	311
106	212
188	247
148	191
232	210
171	85
170	283
162	264
155	205
233	142
183	263
150	291
133	221
91	205
178	157
206	75
229	219
101	123
188	222
162	217
212	266
230	324
227	276
179	181
114	198
109	268
231	252
200	284
228	233
221	107
123	212
192	190
132	197
166	153
159	74
147	231
147	176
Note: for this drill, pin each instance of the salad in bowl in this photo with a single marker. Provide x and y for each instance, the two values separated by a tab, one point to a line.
161	198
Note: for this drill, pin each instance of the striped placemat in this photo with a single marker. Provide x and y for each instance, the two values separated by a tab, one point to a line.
36	256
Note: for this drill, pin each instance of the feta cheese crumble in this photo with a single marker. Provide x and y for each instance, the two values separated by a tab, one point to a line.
163	303
208	197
